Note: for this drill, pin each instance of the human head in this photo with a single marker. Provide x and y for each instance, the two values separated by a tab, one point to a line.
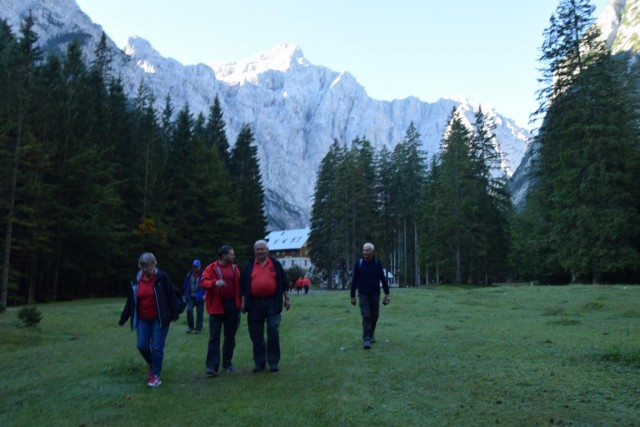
226	254
147	259
196	264
261	250
367	251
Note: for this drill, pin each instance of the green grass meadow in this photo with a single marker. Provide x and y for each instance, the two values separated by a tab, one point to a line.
445	356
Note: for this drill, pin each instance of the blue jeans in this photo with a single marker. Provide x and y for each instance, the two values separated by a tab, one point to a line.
264	311
199	306
151	338
370	311
231	321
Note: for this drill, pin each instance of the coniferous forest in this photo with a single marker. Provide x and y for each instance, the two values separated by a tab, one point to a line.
451	220
91	178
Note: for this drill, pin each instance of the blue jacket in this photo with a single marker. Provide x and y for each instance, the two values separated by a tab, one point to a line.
187	290
366	278
165	299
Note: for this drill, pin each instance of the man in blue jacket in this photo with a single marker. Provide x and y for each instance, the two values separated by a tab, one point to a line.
366	277
194	297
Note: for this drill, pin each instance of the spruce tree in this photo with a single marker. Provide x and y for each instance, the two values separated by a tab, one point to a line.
23	58
215	134
326	213
247	179
459	190
583	200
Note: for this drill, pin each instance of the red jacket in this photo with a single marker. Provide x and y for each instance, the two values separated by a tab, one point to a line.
213	296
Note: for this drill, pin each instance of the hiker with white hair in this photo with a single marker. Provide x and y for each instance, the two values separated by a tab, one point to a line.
367	275
265	290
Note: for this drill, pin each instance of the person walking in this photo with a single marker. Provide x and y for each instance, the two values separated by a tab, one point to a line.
366	277
151	305
194	297
221	281
306	284
264	293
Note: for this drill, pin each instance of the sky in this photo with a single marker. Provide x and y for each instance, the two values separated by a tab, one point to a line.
484	50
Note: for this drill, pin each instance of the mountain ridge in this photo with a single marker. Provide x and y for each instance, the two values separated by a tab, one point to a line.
296	109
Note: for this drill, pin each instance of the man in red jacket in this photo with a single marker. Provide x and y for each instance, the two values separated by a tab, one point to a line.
221	281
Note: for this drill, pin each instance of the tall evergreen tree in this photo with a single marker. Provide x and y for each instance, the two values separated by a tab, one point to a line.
459	197
245	172
494	201
23	59
215	134
409	172
587	151
326	212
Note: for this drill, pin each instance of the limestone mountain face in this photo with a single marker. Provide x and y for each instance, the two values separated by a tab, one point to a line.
296	109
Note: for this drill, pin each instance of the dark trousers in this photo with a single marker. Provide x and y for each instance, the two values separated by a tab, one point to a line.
370	311
199	306
231	321
264	311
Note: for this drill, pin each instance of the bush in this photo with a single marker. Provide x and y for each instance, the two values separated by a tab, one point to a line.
30	316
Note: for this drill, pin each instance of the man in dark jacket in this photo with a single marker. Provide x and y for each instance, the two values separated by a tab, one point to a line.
366	277
152	304
264	291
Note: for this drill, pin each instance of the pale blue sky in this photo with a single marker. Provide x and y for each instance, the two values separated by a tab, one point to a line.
485	51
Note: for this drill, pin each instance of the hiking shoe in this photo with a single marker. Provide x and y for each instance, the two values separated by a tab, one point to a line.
366	345
154	381
230	369
258	369
275	368
212	372
189	330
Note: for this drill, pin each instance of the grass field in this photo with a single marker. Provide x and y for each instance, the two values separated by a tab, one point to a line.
446	356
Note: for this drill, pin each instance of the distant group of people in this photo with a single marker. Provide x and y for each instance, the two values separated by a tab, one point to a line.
260	289
302	285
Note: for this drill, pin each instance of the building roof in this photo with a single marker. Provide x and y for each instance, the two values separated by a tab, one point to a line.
288	239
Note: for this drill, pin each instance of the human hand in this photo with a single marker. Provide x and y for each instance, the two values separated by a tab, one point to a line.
386	300
219	283
353	301
287	304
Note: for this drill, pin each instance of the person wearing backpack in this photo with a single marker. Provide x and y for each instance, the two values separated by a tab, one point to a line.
366	277
221	282
194	297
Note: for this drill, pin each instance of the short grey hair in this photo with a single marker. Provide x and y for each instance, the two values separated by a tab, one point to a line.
261	242
146	259
369	245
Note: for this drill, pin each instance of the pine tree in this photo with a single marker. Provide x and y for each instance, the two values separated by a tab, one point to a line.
215	135
409	176
245	172
23	58
326	212
583	199
458	197
492	231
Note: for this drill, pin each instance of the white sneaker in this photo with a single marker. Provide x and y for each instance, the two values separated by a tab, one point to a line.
154	381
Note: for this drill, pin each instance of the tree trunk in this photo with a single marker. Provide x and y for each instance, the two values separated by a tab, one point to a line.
6	256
